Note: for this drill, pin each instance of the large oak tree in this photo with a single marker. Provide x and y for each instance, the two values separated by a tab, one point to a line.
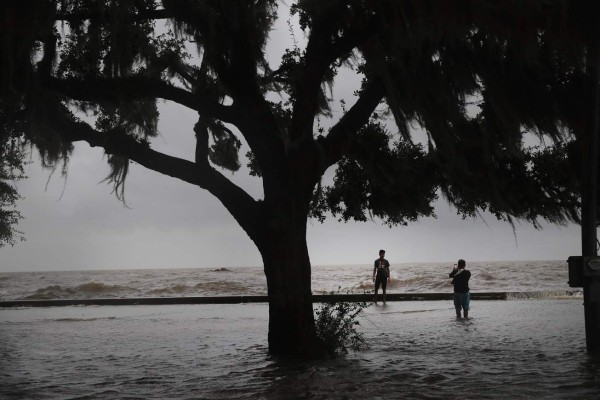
475	76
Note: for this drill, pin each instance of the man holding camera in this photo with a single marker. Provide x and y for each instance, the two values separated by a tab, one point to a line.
460	279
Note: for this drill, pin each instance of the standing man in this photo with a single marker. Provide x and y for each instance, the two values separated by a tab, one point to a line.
460	279
381	274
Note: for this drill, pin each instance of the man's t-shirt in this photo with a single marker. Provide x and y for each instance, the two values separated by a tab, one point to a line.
460	280
381	266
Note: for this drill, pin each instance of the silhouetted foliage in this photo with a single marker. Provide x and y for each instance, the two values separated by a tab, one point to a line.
475	77
12	156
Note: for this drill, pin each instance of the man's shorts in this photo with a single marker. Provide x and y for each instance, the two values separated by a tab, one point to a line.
380	279
462	300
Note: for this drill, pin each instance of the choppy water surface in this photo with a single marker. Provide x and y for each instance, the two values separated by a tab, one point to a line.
546	277
509	349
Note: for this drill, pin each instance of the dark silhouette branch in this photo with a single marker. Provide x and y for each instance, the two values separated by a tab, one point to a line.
117	89
107	16
321	55
242	206
309	85
339	140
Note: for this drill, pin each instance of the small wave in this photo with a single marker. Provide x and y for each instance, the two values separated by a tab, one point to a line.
49	292
171	289
442	285
85	290
227	287
96	287
364	285
81	319
208	288
412	281
412	311
93	289
485	276
551	294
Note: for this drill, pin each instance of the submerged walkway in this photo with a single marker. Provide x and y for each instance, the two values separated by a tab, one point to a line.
317	298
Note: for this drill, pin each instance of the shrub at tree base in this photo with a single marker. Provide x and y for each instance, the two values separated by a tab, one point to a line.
336	323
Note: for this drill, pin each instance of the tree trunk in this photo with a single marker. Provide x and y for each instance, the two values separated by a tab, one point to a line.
287	268
589	202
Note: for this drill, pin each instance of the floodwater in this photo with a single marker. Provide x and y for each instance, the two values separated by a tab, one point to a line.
508	349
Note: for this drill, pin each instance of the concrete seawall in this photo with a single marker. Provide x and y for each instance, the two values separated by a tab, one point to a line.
318	298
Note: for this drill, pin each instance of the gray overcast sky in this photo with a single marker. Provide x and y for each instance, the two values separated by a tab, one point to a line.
79	224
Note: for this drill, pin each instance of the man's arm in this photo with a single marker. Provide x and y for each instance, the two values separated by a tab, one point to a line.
387	269
374	269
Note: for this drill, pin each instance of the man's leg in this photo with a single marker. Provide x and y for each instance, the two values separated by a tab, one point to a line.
376	290
456	297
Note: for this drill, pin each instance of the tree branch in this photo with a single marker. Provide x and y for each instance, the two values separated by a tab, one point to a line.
339	140
107	16
320	55
117	89
318	58
240	205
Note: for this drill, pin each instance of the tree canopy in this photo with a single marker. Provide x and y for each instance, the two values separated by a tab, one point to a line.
460	70
475	76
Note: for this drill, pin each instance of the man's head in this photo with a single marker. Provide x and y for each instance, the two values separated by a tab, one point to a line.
461	263
381	253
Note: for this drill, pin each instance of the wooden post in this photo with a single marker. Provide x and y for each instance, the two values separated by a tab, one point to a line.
589	201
